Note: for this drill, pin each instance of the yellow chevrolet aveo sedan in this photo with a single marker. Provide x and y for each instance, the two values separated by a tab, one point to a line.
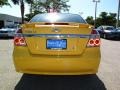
57	44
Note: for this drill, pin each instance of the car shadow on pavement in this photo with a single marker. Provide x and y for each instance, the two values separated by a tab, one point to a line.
113	39
44	82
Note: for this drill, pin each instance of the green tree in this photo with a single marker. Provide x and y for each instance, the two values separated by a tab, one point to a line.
38	6
29	16
22	6
4	2
107	18
90	20
103	19
98	22
57	5
111	19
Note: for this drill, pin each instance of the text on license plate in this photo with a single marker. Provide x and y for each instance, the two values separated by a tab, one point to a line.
56	44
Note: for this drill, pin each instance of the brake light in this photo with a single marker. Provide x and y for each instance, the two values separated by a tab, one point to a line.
56	23
94	41
19	41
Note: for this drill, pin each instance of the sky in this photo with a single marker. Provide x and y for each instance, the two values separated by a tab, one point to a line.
83	7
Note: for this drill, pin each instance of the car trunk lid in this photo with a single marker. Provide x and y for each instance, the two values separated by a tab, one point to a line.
42	37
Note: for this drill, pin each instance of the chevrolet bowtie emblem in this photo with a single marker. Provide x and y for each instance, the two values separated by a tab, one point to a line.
55	30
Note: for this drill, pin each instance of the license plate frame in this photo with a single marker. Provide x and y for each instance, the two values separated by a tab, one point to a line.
56	44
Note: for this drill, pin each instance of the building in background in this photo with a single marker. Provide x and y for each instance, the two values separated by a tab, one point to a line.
6	20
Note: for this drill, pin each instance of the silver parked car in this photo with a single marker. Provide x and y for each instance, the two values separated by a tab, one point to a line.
8	31
108	32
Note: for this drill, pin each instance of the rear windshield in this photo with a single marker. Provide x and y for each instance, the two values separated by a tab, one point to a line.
58	17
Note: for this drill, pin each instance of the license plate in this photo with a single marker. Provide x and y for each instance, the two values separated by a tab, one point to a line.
56	44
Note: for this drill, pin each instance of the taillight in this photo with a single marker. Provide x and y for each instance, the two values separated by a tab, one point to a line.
19	41
94	40
93	43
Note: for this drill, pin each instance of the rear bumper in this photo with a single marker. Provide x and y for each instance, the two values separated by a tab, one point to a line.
86	63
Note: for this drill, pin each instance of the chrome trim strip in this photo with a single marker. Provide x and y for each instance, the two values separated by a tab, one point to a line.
57	35
60	35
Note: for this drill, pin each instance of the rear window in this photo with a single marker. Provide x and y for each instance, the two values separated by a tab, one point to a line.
58	17
109	28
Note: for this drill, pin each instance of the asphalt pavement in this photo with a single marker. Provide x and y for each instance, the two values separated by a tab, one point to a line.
107	77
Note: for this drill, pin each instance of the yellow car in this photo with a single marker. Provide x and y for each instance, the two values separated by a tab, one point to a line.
57	44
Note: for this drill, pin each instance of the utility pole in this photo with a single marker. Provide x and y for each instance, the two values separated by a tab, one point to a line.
118	14
96	1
